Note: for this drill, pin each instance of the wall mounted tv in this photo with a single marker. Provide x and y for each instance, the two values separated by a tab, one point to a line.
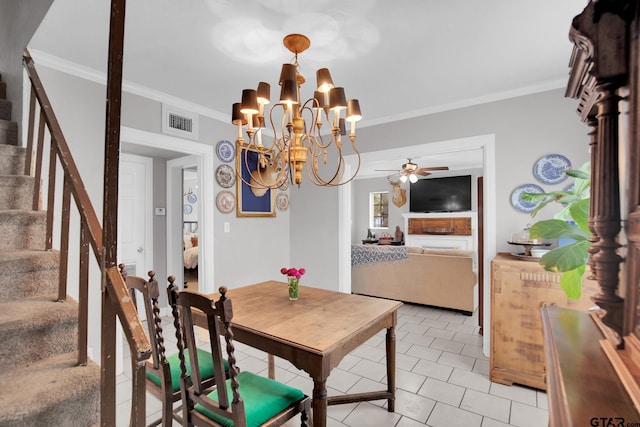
448	194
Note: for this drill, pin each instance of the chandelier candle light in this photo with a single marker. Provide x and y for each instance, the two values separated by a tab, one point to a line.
297	142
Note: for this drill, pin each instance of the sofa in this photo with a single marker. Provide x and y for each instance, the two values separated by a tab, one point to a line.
438	277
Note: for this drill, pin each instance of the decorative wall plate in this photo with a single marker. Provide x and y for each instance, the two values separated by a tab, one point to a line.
225	176
187	209
226	202
549	169
192	198
225	150
282	201
285	184
521	205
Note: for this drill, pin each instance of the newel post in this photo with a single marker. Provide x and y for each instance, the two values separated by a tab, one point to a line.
110	211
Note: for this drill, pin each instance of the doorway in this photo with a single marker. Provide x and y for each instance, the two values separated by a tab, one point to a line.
190	231
199	155
484	142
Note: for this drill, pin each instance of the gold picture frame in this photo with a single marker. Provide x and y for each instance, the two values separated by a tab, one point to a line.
249	201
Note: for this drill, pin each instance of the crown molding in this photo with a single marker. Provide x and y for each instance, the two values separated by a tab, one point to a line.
91	74
500	96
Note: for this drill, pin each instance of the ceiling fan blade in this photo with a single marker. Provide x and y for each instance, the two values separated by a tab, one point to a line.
422	172
436	168
387	170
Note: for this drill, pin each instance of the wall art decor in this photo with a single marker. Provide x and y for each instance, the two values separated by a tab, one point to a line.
253	200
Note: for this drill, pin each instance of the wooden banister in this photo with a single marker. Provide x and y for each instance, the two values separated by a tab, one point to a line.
116	299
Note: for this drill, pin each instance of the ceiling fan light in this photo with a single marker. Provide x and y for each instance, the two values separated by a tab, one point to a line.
413	178
403	178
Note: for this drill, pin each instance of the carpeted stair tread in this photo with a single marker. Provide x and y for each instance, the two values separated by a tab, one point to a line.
38	327
60	393
22	229
19	315
27	273
25	260
8	131
16	191
12	159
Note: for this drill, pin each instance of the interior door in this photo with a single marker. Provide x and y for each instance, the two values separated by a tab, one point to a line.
134	218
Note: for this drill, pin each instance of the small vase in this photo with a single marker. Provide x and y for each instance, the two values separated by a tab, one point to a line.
293	288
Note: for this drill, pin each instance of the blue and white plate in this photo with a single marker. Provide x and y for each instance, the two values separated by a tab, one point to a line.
550	169
192	198
188	209
225	150
522	205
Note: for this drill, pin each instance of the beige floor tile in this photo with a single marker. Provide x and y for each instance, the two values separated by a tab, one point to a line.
447	345
409	381
528	416
413	406
444	392
515	392
433	370
368	415
470	380
423	352
487	405
457	360
448	416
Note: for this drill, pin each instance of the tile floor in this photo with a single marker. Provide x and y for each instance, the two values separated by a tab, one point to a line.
441	379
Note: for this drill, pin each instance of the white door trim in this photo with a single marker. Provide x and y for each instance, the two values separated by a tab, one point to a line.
206	202
484	142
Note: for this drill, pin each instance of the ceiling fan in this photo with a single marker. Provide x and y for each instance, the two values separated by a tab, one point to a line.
410	171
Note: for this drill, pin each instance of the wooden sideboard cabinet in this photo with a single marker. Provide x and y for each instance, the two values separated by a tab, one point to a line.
453	226
518	289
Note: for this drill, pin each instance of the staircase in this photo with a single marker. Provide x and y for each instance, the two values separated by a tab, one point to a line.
40	381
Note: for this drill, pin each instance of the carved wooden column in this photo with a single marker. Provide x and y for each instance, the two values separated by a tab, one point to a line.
599	69
606	206
592	120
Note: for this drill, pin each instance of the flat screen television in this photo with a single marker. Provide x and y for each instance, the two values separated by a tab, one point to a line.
448	194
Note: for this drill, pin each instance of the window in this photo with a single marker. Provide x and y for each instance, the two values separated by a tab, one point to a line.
379	209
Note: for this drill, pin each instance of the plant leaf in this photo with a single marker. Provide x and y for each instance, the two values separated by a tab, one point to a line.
555	229
571	282
580	214
578	173
566	258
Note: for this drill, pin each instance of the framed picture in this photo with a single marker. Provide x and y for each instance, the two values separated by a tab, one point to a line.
252	201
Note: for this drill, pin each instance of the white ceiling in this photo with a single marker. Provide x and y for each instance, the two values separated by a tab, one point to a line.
401	59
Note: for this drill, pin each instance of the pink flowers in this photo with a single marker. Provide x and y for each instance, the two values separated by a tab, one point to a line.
293	272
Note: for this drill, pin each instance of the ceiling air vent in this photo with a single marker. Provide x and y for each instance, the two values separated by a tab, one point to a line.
179	122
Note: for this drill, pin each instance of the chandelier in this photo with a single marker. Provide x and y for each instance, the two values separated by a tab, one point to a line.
297	141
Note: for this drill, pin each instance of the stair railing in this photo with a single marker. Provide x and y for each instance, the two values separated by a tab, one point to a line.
115	295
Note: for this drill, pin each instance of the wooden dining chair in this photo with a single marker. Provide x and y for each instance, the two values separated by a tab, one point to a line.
243	400
162	372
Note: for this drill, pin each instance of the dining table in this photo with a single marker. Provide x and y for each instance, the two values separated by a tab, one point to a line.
314	333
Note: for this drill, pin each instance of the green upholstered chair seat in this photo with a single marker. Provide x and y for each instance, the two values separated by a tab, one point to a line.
205	362
263	399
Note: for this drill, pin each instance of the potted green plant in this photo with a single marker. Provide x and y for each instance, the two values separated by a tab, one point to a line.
570	223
